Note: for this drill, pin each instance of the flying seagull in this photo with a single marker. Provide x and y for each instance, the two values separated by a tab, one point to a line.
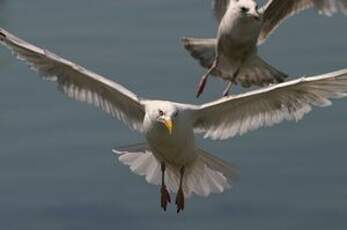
232	55
170	156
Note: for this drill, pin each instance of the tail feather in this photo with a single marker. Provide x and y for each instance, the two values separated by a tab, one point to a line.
207	174
210	174
255	71
141	161
203	181
229	170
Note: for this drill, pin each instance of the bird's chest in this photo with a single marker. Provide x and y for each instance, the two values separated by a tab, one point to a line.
234	32
177	148
231	56
235	50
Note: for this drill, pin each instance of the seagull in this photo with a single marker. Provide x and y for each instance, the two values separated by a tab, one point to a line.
170	157
232	55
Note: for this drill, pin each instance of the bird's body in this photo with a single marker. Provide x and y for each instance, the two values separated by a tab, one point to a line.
236	41
170	157
232	55
177	148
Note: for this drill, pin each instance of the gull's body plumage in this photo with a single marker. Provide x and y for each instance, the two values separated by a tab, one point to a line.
232	55
169	127
178	147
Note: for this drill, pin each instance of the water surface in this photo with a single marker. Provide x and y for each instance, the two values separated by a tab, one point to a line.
56	166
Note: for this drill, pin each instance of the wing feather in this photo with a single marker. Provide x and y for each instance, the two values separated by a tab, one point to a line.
291	100
276	11
219	8
79	83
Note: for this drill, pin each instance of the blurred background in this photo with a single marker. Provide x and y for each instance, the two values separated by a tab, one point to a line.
57	170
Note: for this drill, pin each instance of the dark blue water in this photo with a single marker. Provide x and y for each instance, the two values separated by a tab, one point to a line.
56	166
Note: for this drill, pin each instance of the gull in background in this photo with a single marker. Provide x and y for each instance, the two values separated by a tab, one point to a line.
170	156
232	55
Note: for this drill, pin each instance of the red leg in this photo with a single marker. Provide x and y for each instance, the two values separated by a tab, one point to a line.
203	80
227	89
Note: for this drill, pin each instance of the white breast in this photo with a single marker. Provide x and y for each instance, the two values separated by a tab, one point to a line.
177	148
239	29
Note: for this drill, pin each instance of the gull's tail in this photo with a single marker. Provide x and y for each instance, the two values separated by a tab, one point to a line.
206	175
254	71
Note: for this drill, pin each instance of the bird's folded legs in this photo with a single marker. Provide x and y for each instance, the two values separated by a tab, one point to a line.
164	193
227	89
230	83
203	80
180	194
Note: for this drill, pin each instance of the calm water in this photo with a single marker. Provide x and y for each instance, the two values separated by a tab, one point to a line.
56	166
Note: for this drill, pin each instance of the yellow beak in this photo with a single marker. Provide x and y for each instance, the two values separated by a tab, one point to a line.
168	124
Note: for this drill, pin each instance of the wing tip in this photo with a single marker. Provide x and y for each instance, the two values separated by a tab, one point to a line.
2	35
184	39
186	42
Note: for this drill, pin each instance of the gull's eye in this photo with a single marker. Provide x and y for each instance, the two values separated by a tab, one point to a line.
161	113
175	114
256	7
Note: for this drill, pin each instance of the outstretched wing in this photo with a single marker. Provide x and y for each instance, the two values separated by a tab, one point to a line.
219	8
79	83
291	100
276	11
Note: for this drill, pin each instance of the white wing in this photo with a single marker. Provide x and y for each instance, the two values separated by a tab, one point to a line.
219	8
79	83
275	11
291	100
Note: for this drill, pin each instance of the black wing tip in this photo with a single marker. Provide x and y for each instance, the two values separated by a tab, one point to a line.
184	39
186	42
2	35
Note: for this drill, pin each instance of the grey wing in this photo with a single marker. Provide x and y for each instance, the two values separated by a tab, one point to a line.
276	11
79	83
202	49
219	8
291	100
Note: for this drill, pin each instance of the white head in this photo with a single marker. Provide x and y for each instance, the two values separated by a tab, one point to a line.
162	115
246	8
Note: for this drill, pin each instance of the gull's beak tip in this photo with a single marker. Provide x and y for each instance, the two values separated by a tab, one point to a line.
168	124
